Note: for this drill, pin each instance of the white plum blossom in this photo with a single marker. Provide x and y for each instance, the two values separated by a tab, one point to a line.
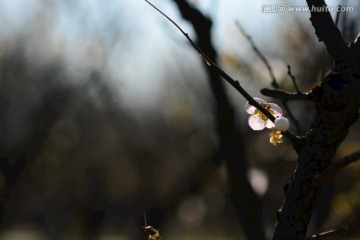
257	120
282	124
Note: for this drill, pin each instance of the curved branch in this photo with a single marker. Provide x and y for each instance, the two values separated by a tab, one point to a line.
285	96
337	166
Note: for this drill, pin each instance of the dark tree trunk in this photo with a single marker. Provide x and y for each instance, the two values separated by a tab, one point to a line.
247	204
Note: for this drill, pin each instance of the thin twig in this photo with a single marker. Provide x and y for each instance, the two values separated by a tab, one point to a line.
224	75
271	72
145	220
335	233
260	55
293	79
284	95
337	17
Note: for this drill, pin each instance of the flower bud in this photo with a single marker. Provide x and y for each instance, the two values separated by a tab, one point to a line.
282	124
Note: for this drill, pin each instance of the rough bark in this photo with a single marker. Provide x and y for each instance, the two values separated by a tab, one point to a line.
329	129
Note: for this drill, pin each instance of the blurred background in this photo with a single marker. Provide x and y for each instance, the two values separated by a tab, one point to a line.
106	113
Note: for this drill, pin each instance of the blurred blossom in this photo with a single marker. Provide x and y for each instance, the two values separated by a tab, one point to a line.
192	211
258	180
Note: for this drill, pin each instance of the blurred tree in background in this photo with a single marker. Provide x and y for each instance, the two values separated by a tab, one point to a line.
97	125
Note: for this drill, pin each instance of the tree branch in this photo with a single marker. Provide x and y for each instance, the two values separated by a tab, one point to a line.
260	55
327	31
293	79
293	138
285	96
337	166
337	17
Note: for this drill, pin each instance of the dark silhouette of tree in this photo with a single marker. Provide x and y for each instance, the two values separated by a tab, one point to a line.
247	203
336	94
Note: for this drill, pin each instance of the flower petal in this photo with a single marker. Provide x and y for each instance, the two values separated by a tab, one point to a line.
256	123
259	100
277	111
269	124
250	108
